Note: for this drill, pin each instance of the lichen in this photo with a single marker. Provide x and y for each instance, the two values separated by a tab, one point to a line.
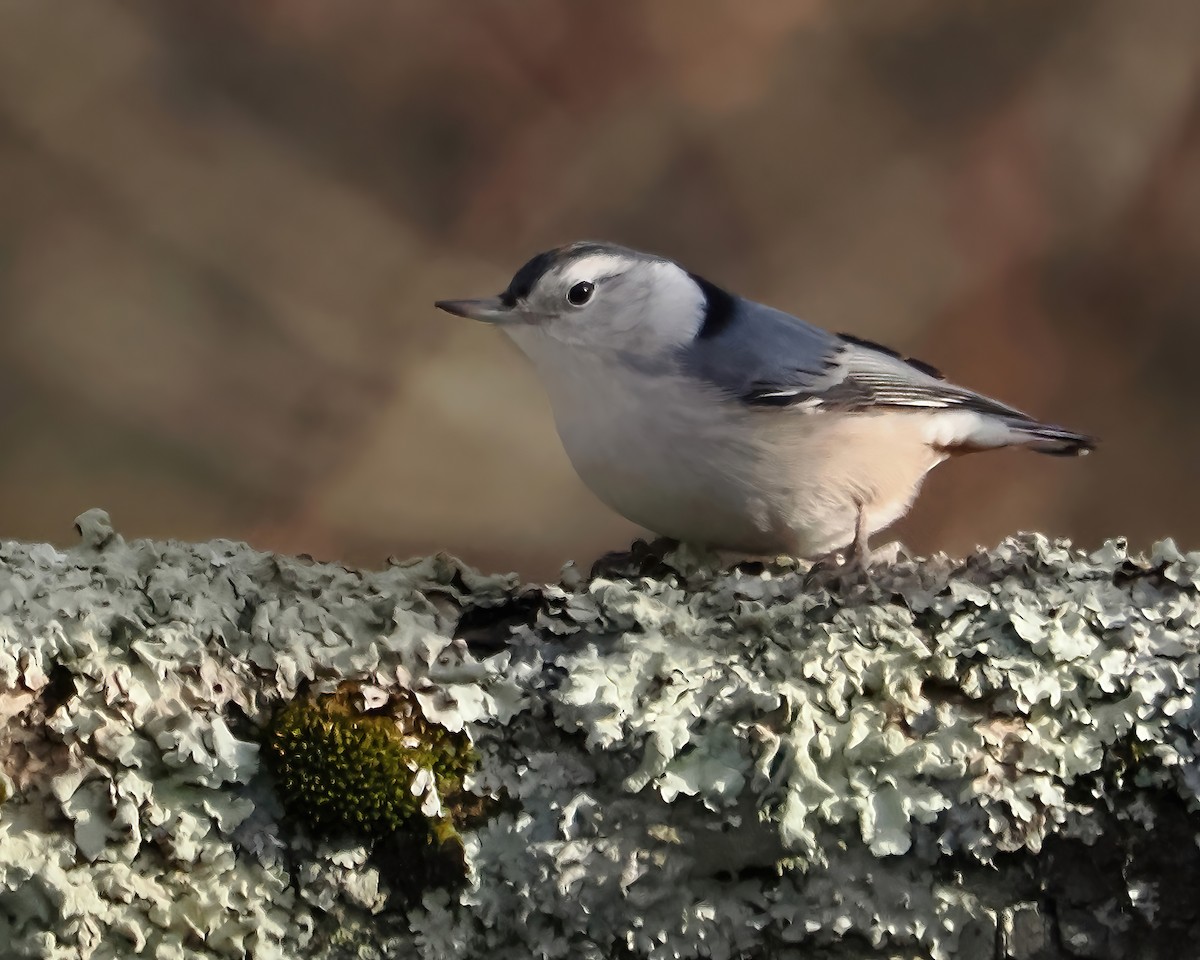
342	768
993	756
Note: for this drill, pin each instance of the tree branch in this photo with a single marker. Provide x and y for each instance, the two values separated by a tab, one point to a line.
987	758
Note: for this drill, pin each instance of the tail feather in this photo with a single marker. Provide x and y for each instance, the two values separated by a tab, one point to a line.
1054	440
962	431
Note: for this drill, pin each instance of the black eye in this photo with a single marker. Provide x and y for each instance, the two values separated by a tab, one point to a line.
581	293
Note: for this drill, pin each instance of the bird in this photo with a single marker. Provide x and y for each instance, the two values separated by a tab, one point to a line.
711	419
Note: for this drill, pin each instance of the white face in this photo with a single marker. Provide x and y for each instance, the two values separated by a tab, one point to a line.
607	301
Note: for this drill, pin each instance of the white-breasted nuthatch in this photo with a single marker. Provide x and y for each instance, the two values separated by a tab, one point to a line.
715	420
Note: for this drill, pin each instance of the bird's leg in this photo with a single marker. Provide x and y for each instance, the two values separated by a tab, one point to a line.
860	549
856	568
855	558
858	554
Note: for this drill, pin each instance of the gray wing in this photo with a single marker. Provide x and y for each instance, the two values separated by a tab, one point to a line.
764	357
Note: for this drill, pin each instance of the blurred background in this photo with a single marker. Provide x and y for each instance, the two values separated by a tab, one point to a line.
223	224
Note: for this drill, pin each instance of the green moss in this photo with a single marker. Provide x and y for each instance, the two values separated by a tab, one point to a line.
340	769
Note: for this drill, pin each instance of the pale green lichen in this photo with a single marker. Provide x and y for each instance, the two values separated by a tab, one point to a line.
695	760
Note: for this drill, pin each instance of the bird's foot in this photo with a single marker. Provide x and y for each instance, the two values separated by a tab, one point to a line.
836	571
640	560
842	571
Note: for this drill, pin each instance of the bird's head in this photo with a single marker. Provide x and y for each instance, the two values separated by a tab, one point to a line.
596	296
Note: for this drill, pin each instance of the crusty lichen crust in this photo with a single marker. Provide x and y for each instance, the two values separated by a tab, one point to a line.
687	759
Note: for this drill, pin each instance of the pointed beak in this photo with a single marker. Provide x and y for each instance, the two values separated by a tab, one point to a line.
487	310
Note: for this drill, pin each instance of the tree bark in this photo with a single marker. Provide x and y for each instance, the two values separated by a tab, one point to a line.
993	757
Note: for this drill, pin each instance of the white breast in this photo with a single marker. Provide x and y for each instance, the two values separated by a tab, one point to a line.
660	450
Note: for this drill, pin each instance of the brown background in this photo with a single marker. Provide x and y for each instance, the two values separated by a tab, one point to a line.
222	226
